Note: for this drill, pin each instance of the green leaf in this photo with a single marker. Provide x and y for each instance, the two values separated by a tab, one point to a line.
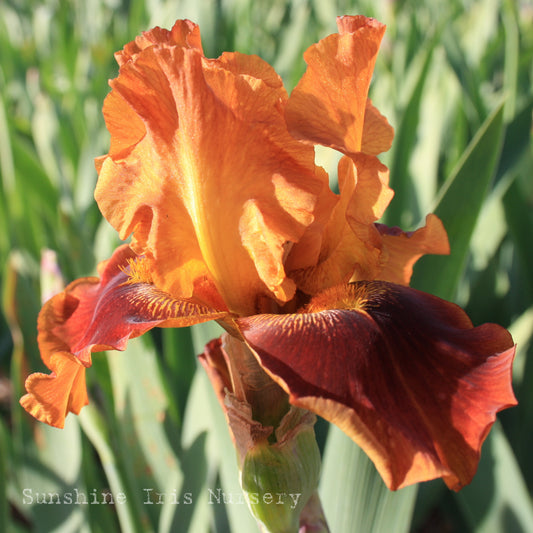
95	428
404	141
353	494
512	46
467	76
517	138
190	497
458	206
102	517
522	331
140	411
204	414
4	440
519	218
497	499
177	367
198	424
50	480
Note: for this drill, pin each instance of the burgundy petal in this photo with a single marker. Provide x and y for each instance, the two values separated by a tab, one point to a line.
404	373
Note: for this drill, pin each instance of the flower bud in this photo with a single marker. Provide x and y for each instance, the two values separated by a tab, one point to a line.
278	478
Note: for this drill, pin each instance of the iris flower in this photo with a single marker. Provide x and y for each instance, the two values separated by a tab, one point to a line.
211	171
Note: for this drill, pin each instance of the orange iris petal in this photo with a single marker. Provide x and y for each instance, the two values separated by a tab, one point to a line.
329	104
184	33
377	132
401	250
92	315
51	397
351	244
402	372
200	162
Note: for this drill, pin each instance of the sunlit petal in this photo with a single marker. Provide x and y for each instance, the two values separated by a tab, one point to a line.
95	314
377	132
401	250
351	244
370	197
196	146
51	397
328	106
404	373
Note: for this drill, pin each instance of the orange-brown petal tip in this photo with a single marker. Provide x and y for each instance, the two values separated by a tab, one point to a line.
401	250
51	397
184	33
352	23
404	373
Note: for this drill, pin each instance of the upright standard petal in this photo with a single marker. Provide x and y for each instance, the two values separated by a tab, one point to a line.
204	174
329	105
184	33
404	373
93	315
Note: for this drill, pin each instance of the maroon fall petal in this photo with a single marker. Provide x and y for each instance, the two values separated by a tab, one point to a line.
402	372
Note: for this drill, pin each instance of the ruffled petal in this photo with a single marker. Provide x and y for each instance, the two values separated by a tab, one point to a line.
404	373
351	244
51	397
92	315
199	147
184	33
370	197
250	66
401	250
329	104
377	132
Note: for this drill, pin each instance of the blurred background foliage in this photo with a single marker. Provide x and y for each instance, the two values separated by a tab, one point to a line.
453	77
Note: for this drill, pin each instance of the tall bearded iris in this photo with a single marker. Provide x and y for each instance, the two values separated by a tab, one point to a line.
211	171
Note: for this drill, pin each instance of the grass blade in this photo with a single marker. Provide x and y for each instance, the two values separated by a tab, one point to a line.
353	494
497	499
458	206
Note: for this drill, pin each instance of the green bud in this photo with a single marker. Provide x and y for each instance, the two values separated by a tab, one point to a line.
279	478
